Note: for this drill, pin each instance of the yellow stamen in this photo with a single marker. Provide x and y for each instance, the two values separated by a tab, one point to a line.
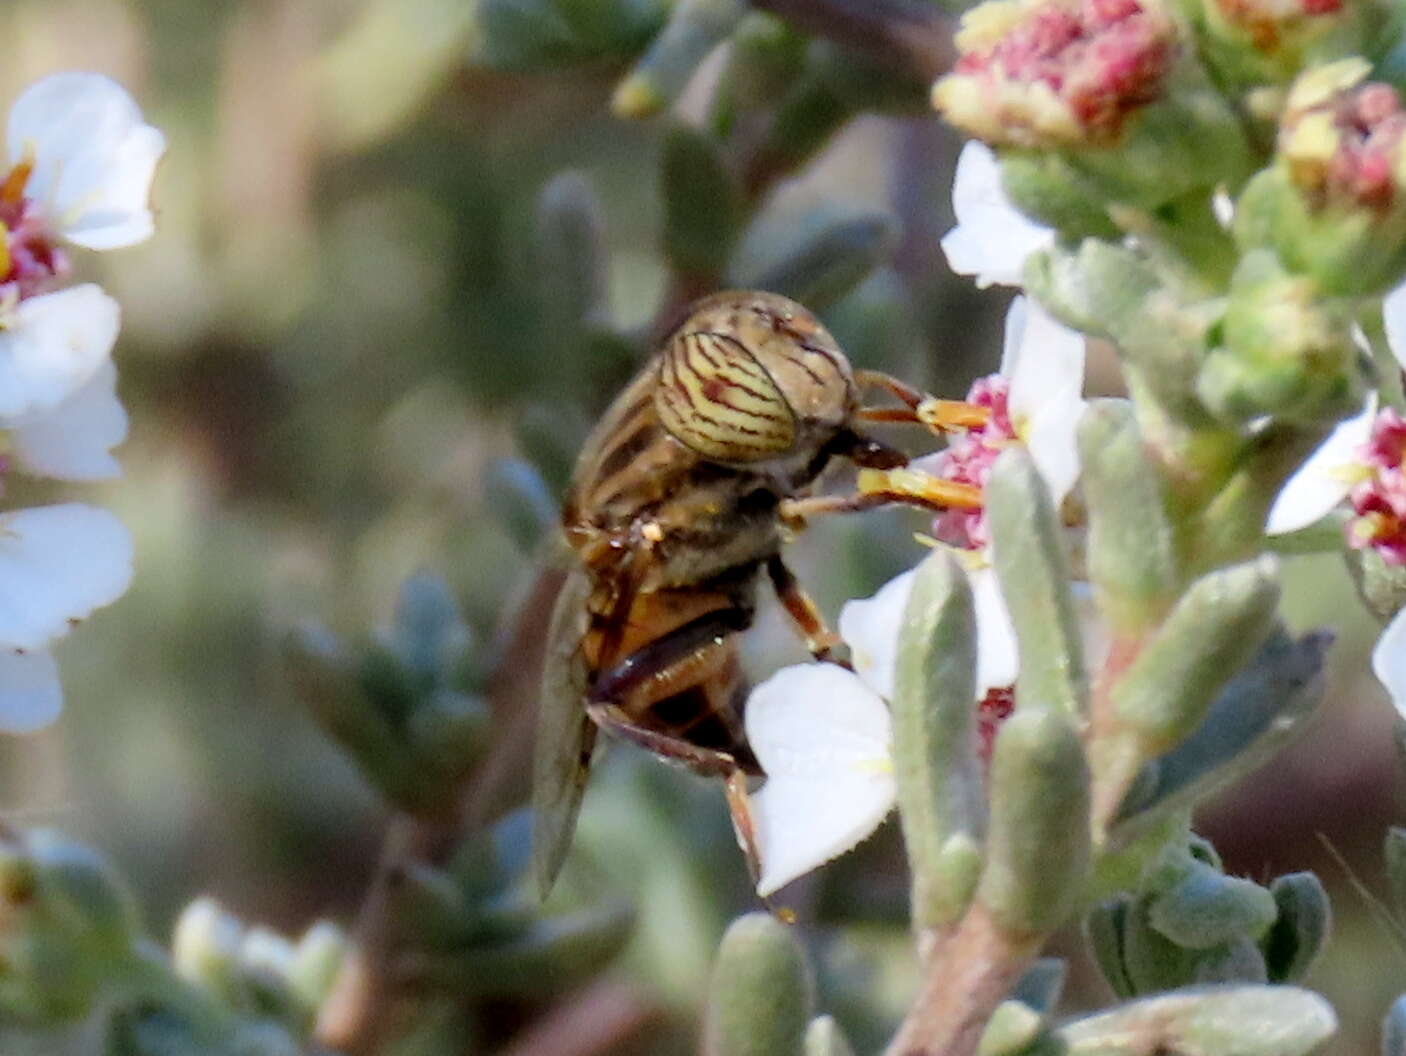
945	415
12	190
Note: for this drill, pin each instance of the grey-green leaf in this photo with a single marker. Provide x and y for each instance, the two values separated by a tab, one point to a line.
1211	633
1027	547
1037	847
694	29
759	1002
1209	1021
702	202
1131	550
825	1038
940	790
829	261
1297	937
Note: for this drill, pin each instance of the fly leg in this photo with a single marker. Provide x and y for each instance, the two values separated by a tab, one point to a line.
692	655
941	416
886	487
801	607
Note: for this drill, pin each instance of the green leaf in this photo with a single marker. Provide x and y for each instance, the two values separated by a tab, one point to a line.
825	1038
759	1002
1131	548
702	202
1211	634
1027	548
518	496
694	29
1210	1021
1206	908
829	260
1298	936
1037	848
941	797
1104	928
547	957
1253	717
570	259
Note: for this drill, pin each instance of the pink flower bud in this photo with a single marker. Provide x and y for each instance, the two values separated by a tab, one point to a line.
1346	148
1056	72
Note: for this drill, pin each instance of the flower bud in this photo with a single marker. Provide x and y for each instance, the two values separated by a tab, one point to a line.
1287	351
1252	42
205	948
1333	205
1055	73
68	926
1107	82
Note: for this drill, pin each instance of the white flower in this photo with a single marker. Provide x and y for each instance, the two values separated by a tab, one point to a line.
54	346
1325	478
92	158
992	238
822	733
57	564
80	162
1034	400
1044	361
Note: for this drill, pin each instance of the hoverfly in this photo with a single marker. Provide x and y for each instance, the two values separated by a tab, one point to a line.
676	509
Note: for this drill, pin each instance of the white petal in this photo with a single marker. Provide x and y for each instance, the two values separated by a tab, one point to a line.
1052	438
822	736
1043	361
1389	660
1394	317
30	695
1325	478
870	628
74	441
93	156
54	346
58	564
992	238
997	662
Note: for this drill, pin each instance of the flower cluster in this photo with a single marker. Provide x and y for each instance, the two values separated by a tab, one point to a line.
1040	73
80	163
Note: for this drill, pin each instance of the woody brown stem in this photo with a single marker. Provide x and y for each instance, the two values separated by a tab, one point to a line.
966	977
356	1018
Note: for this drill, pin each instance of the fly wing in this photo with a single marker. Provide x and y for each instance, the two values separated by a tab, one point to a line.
565	735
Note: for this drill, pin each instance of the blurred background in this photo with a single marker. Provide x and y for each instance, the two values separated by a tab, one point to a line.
342	364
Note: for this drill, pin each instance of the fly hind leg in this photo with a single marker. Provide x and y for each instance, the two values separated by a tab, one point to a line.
699	654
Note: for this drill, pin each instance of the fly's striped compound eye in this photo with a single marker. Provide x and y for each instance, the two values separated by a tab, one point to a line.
714	396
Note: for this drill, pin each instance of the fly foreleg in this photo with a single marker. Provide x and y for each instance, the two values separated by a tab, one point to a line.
801	607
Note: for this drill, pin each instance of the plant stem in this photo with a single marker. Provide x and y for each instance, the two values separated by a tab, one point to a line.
356	1016
965	979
